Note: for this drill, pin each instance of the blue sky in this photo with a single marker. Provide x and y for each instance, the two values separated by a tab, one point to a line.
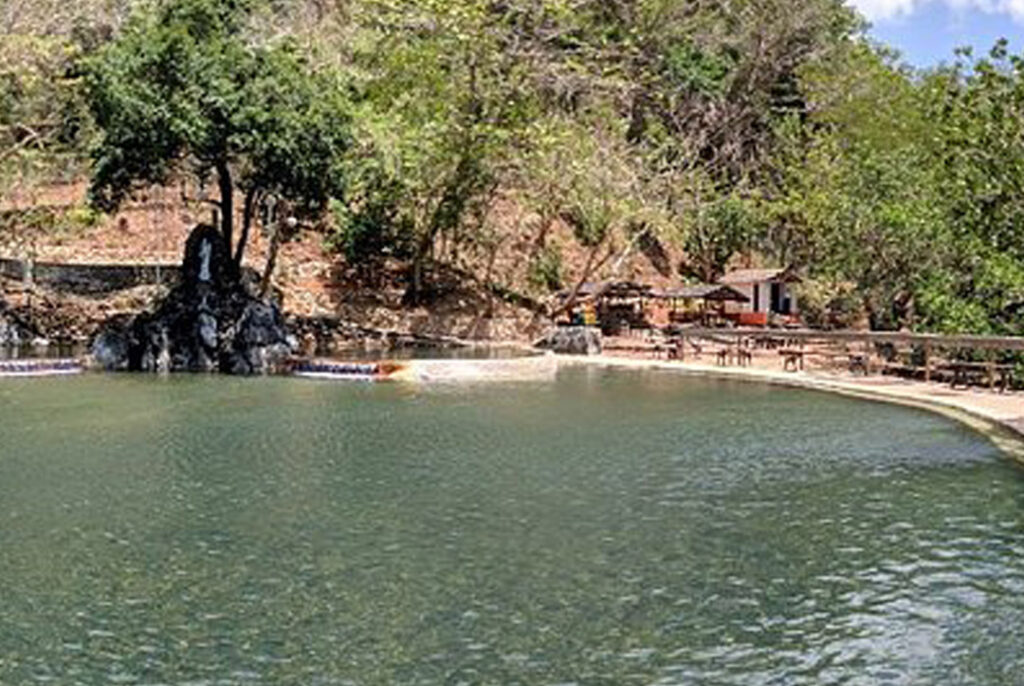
926	31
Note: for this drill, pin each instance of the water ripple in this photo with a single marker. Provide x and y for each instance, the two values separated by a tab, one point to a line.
608	529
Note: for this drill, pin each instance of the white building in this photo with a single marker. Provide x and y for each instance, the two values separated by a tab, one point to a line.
768	290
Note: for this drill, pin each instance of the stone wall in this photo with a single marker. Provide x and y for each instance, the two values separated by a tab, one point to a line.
89	279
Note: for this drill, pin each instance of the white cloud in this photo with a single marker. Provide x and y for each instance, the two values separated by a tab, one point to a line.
881	10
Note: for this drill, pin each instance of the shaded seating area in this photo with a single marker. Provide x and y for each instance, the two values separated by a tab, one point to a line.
619	306
702	303
622	308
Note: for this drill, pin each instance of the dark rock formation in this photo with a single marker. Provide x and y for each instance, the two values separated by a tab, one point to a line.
210	322
13	332
573	340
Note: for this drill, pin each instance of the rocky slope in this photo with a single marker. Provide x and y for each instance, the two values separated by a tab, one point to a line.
488	297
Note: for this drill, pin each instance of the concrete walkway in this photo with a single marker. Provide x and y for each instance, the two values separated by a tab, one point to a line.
999	416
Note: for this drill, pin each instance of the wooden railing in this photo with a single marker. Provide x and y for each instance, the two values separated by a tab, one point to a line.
1013	343
933	351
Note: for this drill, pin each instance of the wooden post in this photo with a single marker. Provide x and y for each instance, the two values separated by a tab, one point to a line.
927	362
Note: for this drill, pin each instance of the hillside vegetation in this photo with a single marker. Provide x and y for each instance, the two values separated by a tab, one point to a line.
424	140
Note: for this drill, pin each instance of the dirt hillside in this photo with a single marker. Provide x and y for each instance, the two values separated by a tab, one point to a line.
486	295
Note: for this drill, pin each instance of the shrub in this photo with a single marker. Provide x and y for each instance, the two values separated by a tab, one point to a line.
545	269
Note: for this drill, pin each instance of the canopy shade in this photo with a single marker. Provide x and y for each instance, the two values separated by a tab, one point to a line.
611	289
709	292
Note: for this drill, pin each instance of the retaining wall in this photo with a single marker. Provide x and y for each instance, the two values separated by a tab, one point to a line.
89	279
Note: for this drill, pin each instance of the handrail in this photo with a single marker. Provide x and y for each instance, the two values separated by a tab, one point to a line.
1015	343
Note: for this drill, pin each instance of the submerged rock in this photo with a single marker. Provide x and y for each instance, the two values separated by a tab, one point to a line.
209	323
110	349
573	340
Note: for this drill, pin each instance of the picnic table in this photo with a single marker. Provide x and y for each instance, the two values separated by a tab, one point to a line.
963	373
641	347
768	341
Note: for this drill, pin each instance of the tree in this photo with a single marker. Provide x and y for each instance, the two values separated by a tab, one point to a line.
440	107
977	111
859	202
719	226
43	124
192	89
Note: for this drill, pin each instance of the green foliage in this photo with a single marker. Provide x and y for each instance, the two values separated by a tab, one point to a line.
697	71
83	217
440	112
722	225
827	304
908	189
859	204
189	90
720	129
42	122
368	230
545	269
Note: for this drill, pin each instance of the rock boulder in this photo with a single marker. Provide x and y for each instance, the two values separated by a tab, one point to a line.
573	340
13	332
209	323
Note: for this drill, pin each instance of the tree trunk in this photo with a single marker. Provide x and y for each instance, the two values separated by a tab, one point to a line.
247	217
227	203
268	270
592	268
423	251
588	270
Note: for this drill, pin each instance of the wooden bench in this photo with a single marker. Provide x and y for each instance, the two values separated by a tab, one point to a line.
792	359
740	356
677	350
855	363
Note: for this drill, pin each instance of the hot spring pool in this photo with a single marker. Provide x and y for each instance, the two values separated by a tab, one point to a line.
610	528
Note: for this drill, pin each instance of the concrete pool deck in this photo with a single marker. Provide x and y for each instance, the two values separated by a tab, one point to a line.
999	416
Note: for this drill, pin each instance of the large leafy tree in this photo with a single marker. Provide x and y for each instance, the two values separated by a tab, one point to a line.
193	89
977	110
859	206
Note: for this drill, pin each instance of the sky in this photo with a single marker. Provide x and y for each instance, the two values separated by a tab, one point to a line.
927	31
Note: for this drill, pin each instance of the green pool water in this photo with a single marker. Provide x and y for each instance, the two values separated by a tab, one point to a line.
609	528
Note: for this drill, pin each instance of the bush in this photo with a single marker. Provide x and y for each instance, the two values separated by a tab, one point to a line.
829	305
545	269
369	235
